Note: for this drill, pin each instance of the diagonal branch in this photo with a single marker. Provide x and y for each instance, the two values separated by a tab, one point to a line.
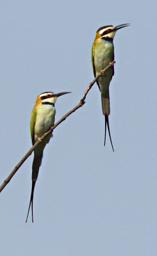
79	105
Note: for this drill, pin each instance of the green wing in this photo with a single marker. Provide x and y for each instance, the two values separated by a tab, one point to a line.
94	71
93	61
32	124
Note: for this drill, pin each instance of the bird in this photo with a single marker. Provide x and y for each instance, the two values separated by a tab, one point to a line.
103	55
42	119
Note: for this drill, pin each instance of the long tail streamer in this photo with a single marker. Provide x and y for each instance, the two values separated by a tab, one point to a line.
31	202
107	127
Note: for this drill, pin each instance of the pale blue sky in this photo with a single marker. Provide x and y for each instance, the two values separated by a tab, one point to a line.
88	200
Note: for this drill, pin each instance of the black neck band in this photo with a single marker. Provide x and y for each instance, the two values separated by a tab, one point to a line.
108	39
48	103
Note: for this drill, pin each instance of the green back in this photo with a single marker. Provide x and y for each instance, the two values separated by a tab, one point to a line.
32	124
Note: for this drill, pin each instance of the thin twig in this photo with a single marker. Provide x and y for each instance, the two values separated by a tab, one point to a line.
79	105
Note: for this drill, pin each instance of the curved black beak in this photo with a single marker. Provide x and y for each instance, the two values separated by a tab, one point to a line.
60	94
121	26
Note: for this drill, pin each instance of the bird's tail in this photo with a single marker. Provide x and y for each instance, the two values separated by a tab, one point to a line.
35	170
106	112
36	164
31	202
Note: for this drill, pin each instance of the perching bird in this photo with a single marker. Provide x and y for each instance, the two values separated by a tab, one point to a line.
42	118
102	55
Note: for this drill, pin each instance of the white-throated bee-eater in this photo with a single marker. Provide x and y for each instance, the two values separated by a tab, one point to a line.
42	119
102	55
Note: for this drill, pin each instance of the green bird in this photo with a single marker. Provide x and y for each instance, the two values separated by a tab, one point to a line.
102	55
42	118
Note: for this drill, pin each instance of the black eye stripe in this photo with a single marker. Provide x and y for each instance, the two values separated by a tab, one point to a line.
103	27
46	96
107	32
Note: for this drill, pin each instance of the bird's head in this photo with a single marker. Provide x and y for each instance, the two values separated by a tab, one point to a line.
108	32
49	98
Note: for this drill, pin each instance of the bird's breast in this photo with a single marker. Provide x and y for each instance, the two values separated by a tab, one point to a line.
44	120
103	54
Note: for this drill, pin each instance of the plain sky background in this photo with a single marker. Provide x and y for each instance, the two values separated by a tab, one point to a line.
88	200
